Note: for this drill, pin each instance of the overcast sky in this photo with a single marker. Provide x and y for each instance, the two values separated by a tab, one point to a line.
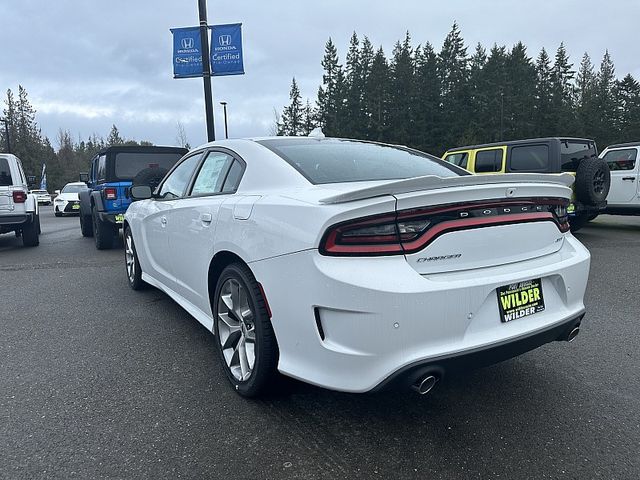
88	64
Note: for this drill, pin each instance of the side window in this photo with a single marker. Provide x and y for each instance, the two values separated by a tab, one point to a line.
530	158
233	178
5	173
211	174
488	161
101	172
459	159
176	183
621	159
92	173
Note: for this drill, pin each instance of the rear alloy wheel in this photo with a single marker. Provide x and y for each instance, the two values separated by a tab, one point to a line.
134	272
245	339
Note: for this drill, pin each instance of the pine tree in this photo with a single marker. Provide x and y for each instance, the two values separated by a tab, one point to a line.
562	92
628	90
543	114
377	98
331	93
401	110
114	137
291	122
520	94
454	79
308	118
605	91
353	118
427	127
585	98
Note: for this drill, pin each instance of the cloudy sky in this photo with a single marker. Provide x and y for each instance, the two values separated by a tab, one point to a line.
88	64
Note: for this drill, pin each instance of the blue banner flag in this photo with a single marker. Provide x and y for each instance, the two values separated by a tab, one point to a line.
226	50
187	52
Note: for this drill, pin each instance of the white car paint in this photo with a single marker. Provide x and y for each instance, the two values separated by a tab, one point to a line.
379	314
11	212
624	164
63	198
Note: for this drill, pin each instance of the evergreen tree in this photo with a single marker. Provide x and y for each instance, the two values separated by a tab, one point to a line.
585	98
494	121
377	98
562	92
544	96
605	92
454	80
292	119
331	93
401	110
628	90
114	137
427	127
521	92
308	118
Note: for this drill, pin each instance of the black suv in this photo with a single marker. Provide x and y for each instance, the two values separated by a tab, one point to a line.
577	156
113	171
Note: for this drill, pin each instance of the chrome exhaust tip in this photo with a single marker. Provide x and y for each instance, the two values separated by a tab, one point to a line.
573	334
425	385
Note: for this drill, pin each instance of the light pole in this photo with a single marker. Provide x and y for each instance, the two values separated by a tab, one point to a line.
224	107
6	133
206	69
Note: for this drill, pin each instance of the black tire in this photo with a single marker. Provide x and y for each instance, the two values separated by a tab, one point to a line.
86	225
38	222
135	277
264	371
30	234
593	180
149	176
578	221
103	233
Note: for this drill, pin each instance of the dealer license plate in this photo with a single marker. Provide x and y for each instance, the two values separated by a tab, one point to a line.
120	218
520	300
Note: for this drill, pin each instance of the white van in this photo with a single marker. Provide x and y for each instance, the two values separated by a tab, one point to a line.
624	164
18	207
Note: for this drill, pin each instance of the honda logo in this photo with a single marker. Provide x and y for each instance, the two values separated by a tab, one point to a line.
187	42
224	40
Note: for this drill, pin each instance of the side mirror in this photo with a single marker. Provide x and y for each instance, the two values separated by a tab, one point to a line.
57	192
84	177
141	192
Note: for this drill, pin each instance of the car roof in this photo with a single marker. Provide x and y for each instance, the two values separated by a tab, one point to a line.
517	142
74	183
628	144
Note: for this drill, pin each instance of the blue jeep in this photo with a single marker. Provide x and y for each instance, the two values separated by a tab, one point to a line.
113	171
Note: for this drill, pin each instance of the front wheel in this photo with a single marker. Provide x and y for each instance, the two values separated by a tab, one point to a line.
134	272
245	342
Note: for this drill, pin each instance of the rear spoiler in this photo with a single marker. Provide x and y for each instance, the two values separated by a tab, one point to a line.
432	182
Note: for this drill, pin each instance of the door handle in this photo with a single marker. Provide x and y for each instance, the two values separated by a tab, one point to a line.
206	218
629	178
163	221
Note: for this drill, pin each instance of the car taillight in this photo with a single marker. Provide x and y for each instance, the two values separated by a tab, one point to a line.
110	193
19	196
409	231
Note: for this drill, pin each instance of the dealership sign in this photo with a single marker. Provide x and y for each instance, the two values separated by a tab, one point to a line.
226	51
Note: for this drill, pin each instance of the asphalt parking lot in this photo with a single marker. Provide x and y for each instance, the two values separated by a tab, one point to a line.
98	381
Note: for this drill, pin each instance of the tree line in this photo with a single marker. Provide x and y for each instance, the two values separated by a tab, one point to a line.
438	100
33	148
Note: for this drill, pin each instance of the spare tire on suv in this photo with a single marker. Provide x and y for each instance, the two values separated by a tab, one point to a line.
593	180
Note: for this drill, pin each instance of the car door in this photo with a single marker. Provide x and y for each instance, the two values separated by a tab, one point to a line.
193	224
156	225
623	164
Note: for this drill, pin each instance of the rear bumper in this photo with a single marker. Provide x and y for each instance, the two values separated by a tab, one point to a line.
480	357
16	219
352	323
114	219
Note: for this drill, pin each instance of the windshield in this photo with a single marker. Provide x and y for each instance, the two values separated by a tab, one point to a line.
129	164
334	160
572	151
73	188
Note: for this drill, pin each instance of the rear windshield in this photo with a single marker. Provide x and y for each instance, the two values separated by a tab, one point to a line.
73	188
129	164
5	173
572	151
335	161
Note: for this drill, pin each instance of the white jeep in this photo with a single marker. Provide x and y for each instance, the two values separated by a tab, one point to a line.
18	208
624	164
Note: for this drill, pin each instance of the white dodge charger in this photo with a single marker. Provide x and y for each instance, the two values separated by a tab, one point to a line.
356	265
